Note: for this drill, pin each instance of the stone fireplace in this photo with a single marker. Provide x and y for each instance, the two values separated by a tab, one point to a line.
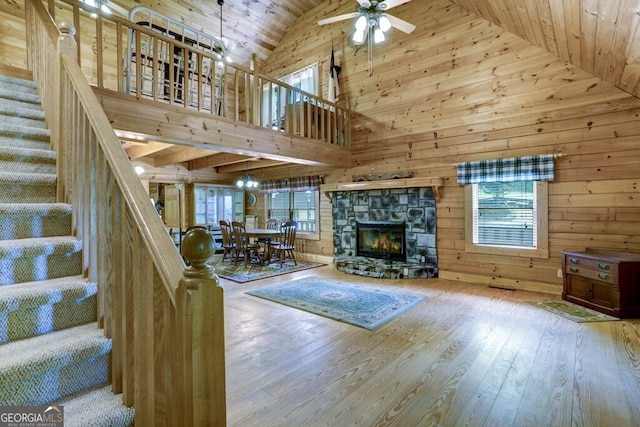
386	233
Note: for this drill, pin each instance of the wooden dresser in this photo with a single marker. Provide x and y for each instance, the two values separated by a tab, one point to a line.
603	280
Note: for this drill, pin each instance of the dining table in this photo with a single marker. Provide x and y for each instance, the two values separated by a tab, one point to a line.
265	234
262	233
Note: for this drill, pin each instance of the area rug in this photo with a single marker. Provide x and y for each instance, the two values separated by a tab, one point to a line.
571	311
243	274
358	305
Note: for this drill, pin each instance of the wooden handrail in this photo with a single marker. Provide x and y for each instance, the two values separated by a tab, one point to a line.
167	70
157	311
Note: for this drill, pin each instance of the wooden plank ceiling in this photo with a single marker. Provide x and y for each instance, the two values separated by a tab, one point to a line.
600	36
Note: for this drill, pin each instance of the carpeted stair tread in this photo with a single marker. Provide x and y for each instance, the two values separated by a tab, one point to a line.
26	295
28	97
55	245
8	109
15	120
35	308
25	132
50	352
15	141
27	220
25	84
28	178
81	410
26	187
27	160
28	154
32	209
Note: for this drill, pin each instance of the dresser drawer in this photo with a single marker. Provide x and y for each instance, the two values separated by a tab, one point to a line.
602	276
584	262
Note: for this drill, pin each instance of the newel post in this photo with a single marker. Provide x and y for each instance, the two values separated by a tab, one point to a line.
66	40
200	313
66	46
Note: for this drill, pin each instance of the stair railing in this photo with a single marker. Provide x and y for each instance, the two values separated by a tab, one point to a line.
165	321
149	62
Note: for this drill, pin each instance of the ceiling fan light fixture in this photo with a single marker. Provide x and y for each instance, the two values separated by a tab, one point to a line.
361	23
358	37
378	36
384	23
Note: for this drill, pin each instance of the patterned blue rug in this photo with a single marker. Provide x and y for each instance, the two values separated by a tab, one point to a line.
355	304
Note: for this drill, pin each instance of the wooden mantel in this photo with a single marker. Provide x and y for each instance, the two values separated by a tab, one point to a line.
434	182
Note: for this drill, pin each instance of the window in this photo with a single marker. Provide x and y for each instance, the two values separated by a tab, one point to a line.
506	205
507	218
305	80
212	203
300	206
275	98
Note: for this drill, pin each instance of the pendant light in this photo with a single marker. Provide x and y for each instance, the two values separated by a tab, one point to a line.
247	181
224	52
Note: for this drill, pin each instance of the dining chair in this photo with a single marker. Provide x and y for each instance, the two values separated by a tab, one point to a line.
243	245
228	244
284	249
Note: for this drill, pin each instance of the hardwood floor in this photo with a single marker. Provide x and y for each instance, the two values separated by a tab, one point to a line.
469	355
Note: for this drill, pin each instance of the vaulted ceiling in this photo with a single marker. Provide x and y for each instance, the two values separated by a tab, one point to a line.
600	36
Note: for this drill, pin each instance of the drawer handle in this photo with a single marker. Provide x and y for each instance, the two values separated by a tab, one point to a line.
603	266
603	276
573	260
573	269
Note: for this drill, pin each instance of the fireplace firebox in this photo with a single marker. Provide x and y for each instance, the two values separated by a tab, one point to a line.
383	240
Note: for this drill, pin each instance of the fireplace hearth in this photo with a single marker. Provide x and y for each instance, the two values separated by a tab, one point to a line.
384	240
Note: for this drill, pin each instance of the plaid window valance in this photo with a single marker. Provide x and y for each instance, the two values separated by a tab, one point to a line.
302	183
528	168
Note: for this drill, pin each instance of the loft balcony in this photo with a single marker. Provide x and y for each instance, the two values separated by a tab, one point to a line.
163	82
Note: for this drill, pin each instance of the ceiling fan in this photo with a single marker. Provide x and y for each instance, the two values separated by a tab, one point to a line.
372	17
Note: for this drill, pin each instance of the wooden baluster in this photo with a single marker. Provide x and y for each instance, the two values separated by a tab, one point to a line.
200	313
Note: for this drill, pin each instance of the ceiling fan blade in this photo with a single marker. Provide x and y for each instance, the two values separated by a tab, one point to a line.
388	4
400	24
338	18
365	3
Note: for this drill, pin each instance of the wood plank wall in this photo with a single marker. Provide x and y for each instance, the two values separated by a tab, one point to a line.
12	34
461	89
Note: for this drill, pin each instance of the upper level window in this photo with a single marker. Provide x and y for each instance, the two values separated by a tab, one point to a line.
305	80
275	97
506	205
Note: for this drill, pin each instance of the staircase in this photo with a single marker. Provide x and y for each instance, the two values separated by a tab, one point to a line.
51	349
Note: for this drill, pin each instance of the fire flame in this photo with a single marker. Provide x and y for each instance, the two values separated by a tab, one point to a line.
383	243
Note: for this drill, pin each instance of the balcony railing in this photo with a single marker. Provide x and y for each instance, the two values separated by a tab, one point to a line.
150	59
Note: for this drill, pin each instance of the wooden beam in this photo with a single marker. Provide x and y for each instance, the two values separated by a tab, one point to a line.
215	160
146	149
170	124
183	155
254	164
